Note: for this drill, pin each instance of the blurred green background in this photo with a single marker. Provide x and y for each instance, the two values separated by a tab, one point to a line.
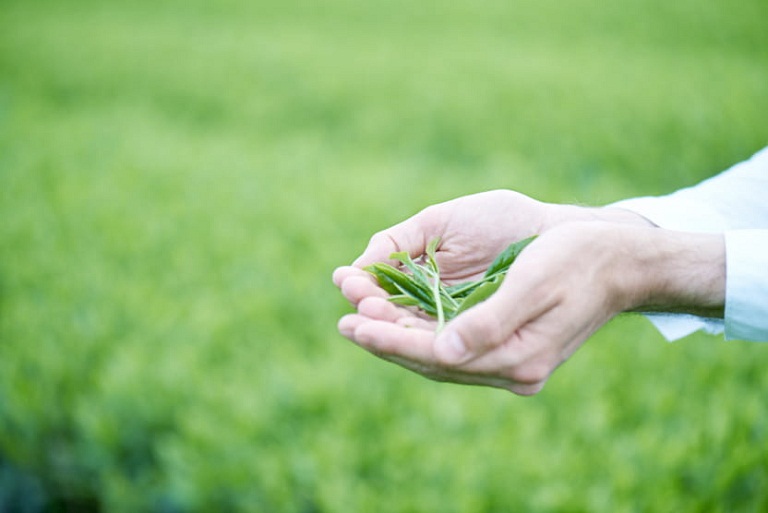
179	178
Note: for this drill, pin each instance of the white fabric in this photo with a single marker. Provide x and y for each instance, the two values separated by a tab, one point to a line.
735	203
746	304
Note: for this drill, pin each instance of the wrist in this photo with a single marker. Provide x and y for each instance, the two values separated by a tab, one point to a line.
676	272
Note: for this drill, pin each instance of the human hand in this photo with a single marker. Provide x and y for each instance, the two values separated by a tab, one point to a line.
473	230
562	288
515	339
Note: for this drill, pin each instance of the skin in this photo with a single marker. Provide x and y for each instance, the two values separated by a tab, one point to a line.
586	266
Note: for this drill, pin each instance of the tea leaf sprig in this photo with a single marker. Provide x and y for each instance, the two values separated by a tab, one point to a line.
419	284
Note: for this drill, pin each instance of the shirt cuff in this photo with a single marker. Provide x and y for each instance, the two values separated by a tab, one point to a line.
746	289
686	216
676	326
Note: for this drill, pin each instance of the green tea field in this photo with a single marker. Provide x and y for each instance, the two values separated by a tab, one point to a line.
178	180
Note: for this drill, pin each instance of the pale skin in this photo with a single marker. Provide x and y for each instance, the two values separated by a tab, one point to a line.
587	266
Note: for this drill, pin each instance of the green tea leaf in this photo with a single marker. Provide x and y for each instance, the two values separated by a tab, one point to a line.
396	282
507	257
404	300
480	294
421	287
404	258
461	290
416	270
431	260
386	277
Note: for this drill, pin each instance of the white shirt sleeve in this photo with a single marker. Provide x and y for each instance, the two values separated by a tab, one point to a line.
734	203
746	287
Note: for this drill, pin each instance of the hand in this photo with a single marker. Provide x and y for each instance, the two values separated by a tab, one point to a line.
474	229
554	297
562	288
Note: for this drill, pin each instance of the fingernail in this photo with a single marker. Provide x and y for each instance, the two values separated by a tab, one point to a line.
452	347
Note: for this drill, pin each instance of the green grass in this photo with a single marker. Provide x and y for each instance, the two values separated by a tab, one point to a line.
178	180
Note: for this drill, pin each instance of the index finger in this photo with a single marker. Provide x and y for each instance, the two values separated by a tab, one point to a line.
411	236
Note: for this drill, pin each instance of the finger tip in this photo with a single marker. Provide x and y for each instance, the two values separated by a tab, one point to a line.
369	302
343	272
337	276
358	288
347	325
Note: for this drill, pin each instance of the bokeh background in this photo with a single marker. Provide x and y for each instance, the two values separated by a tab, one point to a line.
178	180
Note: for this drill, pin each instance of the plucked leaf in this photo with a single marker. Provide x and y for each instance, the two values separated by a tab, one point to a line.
480	294
462	290
397	282
417	271
404	300
507	257
421	287
431	260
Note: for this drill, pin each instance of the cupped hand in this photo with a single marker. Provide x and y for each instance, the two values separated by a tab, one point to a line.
562	288
474	229
559	291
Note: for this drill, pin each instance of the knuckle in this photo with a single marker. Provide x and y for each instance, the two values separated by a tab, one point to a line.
379	237
428	211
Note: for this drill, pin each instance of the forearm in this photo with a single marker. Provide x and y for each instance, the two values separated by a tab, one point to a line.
732	204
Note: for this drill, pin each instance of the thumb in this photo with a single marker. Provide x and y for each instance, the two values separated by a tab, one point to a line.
481	329
470	335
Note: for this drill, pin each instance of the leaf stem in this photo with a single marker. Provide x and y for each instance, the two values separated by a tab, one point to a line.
438	302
